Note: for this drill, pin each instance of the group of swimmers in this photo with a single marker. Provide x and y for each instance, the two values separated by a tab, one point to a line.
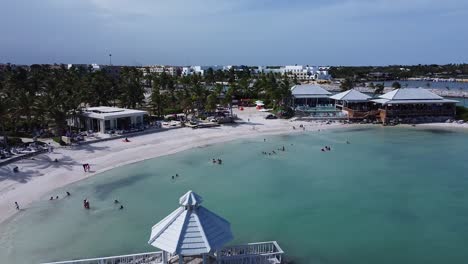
173	177
273	152
326	148
117	202
86	167
86	204
57	197
219	161
301	126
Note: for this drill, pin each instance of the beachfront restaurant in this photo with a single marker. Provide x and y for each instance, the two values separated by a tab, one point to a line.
313	101
412	105
354	104
104	119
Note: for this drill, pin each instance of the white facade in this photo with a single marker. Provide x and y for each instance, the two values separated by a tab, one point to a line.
158	69
201	70
301	72
102	119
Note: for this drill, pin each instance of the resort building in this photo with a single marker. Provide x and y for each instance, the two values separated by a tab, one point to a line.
313	101
194	234
354	104
201	70
103	119
310	96
159	69
414	105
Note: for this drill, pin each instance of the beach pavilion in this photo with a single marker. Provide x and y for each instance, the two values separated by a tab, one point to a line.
413	105
103	119
355	104
310	96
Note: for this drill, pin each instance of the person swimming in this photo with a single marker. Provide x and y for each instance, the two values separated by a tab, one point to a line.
121	207
116	201
51	198
68	194
177	175
220	161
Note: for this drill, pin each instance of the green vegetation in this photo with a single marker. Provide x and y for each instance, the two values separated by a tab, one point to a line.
39	99
396	85
347	84
462	113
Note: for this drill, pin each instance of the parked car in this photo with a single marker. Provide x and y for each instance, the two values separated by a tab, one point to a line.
270	116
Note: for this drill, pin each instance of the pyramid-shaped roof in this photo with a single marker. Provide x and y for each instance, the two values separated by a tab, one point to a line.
411	94
351	96
191	229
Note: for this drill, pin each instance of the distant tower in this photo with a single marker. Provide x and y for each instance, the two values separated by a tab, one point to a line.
110	59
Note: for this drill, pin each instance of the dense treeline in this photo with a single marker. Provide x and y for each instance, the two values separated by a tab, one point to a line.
41	97
396	72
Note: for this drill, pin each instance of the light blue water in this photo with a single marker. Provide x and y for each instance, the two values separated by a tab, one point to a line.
391	196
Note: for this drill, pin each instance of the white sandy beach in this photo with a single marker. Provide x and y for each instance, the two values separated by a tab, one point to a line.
40	176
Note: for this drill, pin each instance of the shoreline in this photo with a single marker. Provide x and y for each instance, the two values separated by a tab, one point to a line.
40	175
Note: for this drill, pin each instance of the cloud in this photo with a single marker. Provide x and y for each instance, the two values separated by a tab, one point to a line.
234	31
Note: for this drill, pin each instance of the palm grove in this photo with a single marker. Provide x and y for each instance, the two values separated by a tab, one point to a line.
41	97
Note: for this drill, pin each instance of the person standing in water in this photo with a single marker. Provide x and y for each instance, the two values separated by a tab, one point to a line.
17	206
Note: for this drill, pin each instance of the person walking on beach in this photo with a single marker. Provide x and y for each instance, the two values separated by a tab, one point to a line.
84	167
17	206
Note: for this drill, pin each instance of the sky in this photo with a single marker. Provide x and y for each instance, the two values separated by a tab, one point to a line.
234	32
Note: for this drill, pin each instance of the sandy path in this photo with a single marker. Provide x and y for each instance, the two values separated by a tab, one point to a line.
40	176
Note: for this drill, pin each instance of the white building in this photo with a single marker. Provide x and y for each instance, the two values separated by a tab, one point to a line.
103	119
159	69
301	72
201	70
93	66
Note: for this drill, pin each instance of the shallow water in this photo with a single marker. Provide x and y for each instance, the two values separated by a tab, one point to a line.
391	196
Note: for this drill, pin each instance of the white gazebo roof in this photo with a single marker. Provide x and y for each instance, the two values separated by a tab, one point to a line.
191	229
309	91
351	96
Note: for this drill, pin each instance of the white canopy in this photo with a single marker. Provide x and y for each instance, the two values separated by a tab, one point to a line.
351	96
191	229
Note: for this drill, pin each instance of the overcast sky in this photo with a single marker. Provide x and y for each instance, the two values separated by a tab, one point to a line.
252	32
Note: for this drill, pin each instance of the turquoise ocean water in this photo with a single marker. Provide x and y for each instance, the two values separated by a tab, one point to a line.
391	196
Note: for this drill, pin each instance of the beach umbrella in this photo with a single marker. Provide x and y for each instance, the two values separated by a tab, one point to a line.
190	230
